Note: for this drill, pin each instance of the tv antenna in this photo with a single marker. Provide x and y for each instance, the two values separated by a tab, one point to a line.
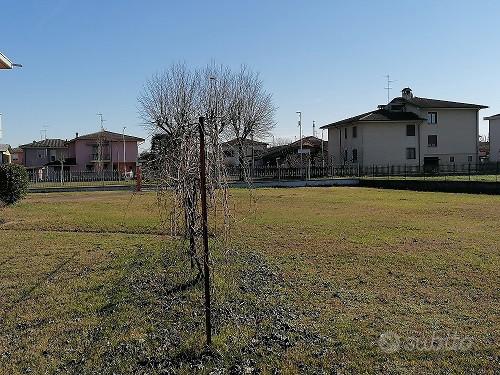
102	120
100	134
314	128
389	88
43	132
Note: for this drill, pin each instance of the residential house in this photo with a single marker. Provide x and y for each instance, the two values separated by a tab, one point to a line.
494	122
17	155
251	150
314	153
104	150
5	154
47	155
410	131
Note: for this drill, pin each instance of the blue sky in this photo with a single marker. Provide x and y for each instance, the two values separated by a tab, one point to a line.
326	58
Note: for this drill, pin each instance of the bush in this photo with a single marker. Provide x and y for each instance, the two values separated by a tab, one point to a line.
13	183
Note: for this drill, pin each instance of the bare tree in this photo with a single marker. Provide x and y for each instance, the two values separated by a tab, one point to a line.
251	110
190	110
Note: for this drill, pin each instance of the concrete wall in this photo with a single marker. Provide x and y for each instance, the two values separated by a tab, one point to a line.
495	140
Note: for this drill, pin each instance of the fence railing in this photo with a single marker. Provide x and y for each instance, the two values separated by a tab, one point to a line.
481	172
54	178
453	172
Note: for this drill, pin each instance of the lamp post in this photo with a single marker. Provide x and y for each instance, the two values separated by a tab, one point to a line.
300	135
5	63
123	138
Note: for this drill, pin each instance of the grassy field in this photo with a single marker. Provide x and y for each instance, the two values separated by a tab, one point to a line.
351	280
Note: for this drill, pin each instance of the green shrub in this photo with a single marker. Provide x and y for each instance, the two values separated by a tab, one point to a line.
13	183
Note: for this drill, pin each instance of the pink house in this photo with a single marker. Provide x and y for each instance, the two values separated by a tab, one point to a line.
104	149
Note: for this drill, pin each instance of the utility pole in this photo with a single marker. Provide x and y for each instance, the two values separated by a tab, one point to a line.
300	135
124	166
99	147
1	134
204	225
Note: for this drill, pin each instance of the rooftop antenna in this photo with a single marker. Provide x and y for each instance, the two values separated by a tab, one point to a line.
102	121
43	132
314	128
99	143
389	88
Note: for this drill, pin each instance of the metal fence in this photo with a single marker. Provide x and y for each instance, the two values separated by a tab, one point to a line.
457	172
54	178
489	172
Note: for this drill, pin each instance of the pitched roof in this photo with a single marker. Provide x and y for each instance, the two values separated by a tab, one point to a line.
434	103
4	147
109	136
380	115
307	142
494	117
46	143
234	141
17	150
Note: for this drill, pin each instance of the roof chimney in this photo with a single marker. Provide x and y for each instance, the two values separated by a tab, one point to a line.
76	135
406	93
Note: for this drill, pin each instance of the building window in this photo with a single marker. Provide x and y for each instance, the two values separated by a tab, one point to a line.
432	141
452	159
410	130
345	133
470	158
354	131
411	153
354	155
432	117
345	155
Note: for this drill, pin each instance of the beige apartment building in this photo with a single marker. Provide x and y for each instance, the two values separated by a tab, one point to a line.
494	137
408	131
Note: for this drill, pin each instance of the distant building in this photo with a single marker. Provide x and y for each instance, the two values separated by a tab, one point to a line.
408	131
494	122
17	155
314	152
5	154
251	150
46	154
106	150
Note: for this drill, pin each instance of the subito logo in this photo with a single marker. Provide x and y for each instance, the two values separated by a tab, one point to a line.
389	342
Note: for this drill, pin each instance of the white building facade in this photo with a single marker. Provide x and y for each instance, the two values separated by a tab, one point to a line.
409	131
494	137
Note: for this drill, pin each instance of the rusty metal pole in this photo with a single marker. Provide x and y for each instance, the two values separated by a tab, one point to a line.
204	218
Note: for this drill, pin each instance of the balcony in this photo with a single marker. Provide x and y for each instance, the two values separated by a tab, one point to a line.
95	158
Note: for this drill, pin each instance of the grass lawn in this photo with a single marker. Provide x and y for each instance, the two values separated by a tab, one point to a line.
92	283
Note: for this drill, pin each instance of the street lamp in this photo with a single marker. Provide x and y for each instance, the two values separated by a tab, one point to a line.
5	63
300	135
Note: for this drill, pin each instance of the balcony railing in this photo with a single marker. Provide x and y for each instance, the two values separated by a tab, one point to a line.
104	157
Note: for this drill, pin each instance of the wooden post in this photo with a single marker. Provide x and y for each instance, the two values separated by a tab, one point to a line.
204	218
